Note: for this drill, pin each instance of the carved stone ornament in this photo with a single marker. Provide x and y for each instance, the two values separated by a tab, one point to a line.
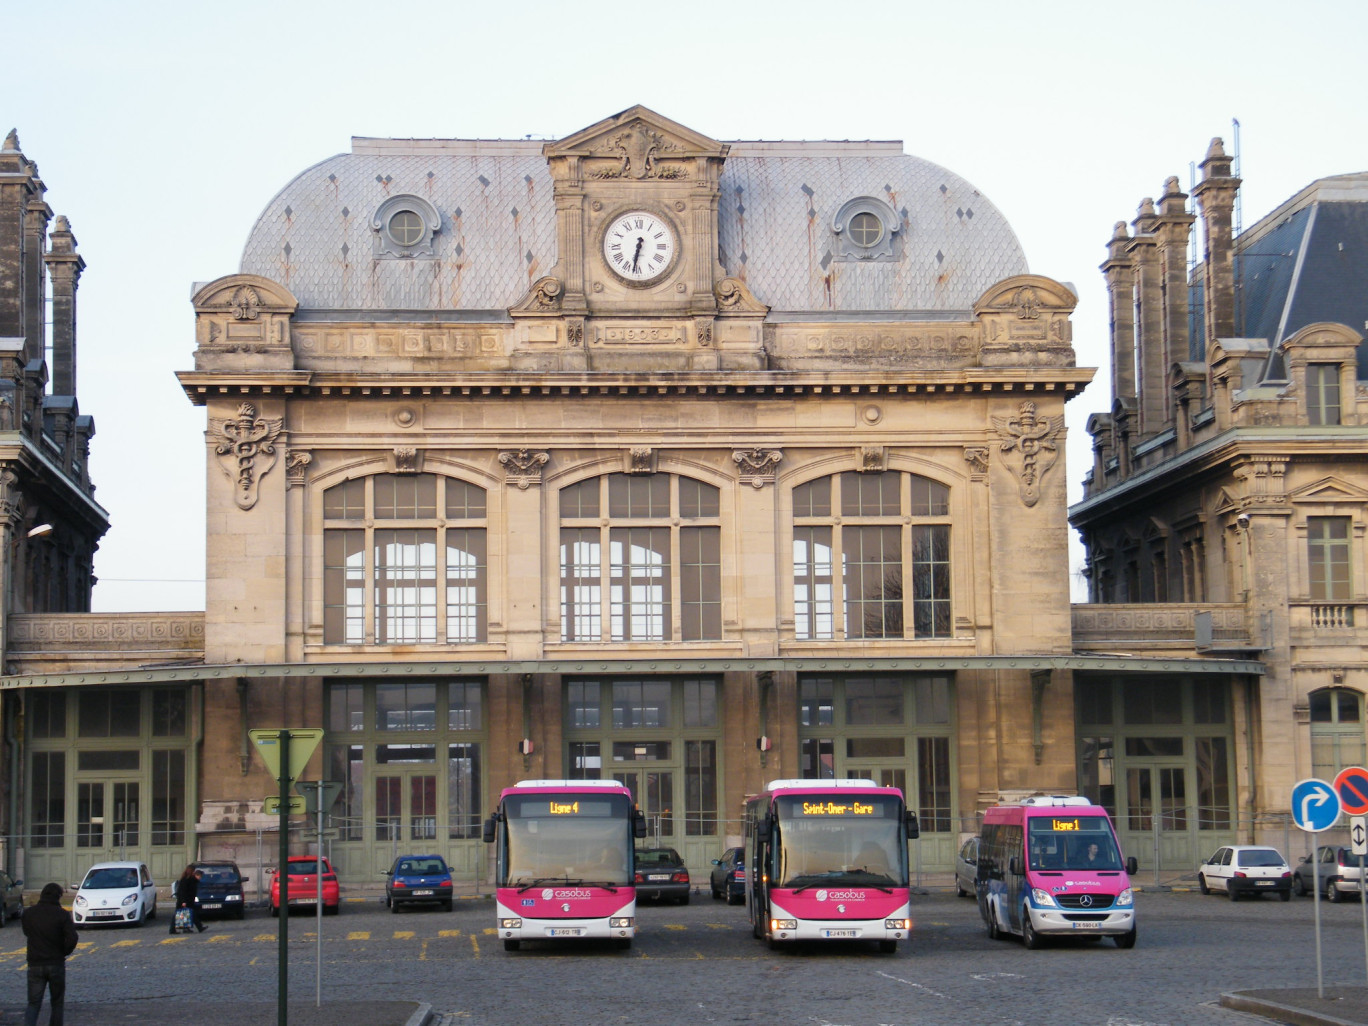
641	460
1033	441
705	334
296	467
574	333
406	460
977	458
636	150
758	465
873	459
524	466
246	304
734	297
246	451
11	498
547	293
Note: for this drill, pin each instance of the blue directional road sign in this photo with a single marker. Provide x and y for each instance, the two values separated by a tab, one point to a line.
1315	806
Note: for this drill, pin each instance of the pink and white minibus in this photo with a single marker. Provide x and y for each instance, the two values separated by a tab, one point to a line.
1051	865
827	860
563	857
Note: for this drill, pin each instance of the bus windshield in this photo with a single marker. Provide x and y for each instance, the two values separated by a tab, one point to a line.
1072	842
567	838
824	839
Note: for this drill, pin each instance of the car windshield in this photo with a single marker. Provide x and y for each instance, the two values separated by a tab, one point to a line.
220	874
1259	857
305	867
647	858
108	879
421	867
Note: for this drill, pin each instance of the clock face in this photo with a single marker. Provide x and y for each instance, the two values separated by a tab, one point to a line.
639	245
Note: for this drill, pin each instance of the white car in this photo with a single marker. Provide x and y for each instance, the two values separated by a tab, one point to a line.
115	892
1246	869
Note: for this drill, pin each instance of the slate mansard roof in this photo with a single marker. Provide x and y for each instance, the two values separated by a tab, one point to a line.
498	230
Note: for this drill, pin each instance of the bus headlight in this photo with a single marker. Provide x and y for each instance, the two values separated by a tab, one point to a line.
620	923
783	924
897	924
510	924
1043	898
1126	898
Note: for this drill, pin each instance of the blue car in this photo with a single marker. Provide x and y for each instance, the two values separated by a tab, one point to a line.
418	880
728	878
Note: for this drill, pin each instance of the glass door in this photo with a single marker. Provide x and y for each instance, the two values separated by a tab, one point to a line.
406	809
653	793
1157	824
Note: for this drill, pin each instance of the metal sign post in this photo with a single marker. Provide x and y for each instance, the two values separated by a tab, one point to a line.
319	796
1315	807
1358	838
1351	786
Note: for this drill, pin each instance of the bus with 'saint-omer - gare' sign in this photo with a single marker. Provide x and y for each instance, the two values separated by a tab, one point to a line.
564	861
827	860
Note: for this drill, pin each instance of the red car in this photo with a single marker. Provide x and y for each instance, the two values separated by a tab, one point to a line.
303	889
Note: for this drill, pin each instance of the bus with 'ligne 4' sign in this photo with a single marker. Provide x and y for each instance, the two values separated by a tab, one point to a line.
1050	865
563	856
827	860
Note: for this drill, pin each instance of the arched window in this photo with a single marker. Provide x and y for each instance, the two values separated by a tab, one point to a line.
1336	731
658	548
880	530
404	561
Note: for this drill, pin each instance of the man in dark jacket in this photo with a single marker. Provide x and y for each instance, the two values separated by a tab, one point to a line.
51	938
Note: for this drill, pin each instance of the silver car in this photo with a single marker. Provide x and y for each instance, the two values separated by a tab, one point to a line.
1339	873
966	868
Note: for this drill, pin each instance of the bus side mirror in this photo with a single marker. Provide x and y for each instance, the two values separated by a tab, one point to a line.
913	827
1132	867
489	827
1014	866
763	830
638	823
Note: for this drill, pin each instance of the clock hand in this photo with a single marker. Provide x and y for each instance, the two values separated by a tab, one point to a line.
636	256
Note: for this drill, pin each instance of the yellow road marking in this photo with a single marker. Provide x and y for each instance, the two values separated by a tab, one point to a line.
84	945
448	933
403	935
264	937
720	926
124	944
475	945
359	935
422	955
173	940
675	926
219	937
491	931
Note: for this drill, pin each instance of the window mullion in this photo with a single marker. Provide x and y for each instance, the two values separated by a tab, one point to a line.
371	590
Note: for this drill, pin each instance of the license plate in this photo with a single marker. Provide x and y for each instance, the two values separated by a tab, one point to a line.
658	876
564	931
211	904
101	913
841	934
1085	926
422	894
1263	883
304	901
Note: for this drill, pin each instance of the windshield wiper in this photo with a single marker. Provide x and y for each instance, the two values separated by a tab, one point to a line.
548	880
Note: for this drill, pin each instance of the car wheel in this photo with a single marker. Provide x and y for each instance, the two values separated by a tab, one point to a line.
1029	937
960	892
393	905
331	910
1299	885
446	905
1202	884
1231	892
2	915
1332	890
735	899
1285	895
142	917
511	945
1125	940
684	900
275	911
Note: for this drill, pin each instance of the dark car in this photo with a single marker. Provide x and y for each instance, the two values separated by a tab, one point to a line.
728	877
11	898
661	876
418	880
220	889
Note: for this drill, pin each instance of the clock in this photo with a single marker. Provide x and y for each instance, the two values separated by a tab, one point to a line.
639	246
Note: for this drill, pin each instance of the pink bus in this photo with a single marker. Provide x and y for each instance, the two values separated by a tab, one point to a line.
827	860
563	856
1051	866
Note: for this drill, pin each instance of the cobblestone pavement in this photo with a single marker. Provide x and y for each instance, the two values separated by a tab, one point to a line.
700	964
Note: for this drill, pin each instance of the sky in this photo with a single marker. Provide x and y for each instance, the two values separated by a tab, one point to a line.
163	129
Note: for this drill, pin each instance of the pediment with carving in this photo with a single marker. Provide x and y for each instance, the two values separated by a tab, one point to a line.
242	322
636	144
1329	489
1026	323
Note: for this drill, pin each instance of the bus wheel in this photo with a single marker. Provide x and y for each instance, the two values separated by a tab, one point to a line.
1029	937
623	943
888	947
1126	940
757	931
511	945
994	931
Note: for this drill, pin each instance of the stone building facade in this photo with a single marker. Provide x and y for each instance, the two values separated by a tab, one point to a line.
635	454
1230	474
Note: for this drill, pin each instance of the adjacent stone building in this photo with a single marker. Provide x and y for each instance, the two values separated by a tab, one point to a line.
1230	476
635	454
